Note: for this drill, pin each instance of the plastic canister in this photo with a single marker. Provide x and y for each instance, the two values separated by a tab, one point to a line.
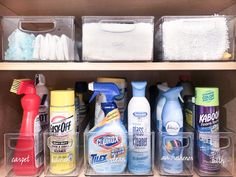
62	142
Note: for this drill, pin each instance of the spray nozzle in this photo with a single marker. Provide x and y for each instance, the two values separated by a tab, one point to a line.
39	79
110	90
173	93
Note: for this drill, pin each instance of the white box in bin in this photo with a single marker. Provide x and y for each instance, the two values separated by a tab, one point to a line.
114	38
195	38
38	38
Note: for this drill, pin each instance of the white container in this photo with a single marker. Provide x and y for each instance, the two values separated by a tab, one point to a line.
193	38
118	38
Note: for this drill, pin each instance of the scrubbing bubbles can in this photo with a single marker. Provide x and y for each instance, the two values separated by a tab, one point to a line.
207	125
62	140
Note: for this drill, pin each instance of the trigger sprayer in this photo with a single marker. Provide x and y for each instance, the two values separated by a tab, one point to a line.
110	90
102	158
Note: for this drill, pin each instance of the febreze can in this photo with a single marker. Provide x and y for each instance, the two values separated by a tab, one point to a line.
62	140
207	126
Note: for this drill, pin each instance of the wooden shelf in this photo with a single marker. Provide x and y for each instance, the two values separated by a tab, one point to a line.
131	66
116	7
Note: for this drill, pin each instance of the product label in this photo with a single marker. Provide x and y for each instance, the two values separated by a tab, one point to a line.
139	129
208	96
207	118
107	140
43	112
38	143
107	151
62	143
172	128
62	123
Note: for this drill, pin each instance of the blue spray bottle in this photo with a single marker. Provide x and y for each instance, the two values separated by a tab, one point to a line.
172	126
160	104
107	141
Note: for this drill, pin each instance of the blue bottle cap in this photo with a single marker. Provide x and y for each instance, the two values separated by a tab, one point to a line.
139	88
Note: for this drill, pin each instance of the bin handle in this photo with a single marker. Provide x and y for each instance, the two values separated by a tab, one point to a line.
38	21
229	142
103	26
212	25
14	148
182	147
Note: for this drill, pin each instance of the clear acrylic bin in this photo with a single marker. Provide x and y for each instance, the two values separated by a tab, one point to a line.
63	155
175	154
38	38
23	155
215	154
102	149
195	38
117	38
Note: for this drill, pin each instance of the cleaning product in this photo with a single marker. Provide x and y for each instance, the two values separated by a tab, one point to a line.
172	126
80	106
187	94
62	141
42	92
107	141
120	100
28	155
139	131
207	125
185	82
189	111
160	104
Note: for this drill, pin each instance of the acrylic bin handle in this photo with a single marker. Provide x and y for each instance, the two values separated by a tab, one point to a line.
228	144
49	21
182	147
17	139
104	25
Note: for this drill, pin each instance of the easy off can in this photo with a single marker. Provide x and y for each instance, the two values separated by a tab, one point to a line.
207	126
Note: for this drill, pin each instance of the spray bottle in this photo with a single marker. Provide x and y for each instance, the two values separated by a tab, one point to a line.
160	104
139	131
107	141
42	92
172	126
29	145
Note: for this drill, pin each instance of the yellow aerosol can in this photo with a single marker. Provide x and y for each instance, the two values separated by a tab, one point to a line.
62	139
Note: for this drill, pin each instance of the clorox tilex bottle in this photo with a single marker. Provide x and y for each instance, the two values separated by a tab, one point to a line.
107	141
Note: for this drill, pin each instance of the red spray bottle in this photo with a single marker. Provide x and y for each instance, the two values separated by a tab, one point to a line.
28	155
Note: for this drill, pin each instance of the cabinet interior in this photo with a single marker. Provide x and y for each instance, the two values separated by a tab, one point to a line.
11	111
